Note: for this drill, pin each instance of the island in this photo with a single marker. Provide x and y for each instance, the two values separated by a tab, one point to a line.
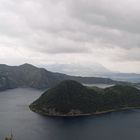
70	98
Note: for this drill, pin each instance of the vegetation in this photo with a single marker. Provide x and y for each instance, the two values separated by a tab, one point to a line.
27	75
70	98
9	138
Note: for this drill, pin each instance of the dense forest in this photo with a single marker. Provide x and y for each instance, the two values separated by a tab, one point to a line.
70	98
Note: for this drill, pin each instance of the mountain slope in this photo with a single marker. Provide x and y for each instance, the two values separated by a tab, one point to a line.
27	75
70	98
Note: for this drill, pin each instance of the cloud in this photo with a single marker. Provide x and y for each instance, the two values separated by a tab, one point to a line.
122	14
81	31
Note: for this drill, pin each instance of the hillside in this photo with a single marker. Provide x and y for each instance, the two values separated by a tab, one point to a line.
27	75
6	82
70	98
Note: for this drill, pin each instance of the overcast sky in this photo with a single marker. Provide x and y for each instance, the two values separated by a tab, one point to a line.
74	32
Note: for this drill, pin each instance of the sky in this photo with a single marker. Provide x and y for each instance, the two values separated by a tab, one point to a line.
78	33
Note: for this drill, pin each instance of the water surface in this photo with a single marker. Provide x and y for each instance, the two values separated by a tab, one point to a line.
99	85
27	125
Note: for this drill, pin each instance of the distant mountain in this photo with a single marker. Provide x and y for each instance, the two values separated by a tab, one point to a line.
27	75
70	98
79	69
131	77
95	69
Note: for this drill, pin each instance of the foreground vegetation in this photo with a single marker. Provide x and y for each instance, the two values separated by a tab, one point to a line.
70	98
9	138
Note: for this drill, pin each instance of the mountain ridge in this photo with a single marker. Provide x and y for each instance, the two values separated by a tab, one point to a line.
27	75
95	69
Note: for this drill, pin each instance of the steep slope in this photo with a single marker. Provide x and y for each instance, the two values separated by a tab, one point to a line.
70	98
28	75
6	83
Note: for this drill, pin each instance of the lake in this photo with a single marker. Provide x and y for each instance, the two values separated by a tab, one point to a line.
99	85
27	125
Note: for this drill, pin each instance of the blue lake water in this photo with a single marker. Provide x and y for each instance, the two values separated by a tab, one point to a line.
27	125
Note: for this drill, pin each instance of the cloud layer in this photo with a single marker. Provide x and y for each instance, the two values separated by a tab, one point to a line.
71	32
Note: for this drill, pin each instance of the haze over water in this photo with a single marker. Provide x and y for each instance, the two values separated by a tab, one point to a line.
26	125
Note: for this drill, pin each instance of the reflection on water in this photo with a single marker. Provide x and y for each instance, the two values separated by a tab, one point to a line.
27	125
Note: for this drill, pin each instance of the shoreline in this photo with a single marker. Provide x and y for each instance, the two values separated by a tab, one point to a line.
83	115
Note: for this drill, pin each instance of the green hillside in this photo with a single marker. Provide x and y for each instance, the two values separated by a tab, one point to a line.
29	76
70	98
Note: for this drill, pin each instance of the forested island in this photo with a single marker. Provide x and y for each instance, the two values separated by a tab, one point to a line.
70	98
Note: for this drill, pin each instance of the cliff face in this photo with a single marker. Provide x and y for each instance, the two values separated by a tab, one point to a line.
70	98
